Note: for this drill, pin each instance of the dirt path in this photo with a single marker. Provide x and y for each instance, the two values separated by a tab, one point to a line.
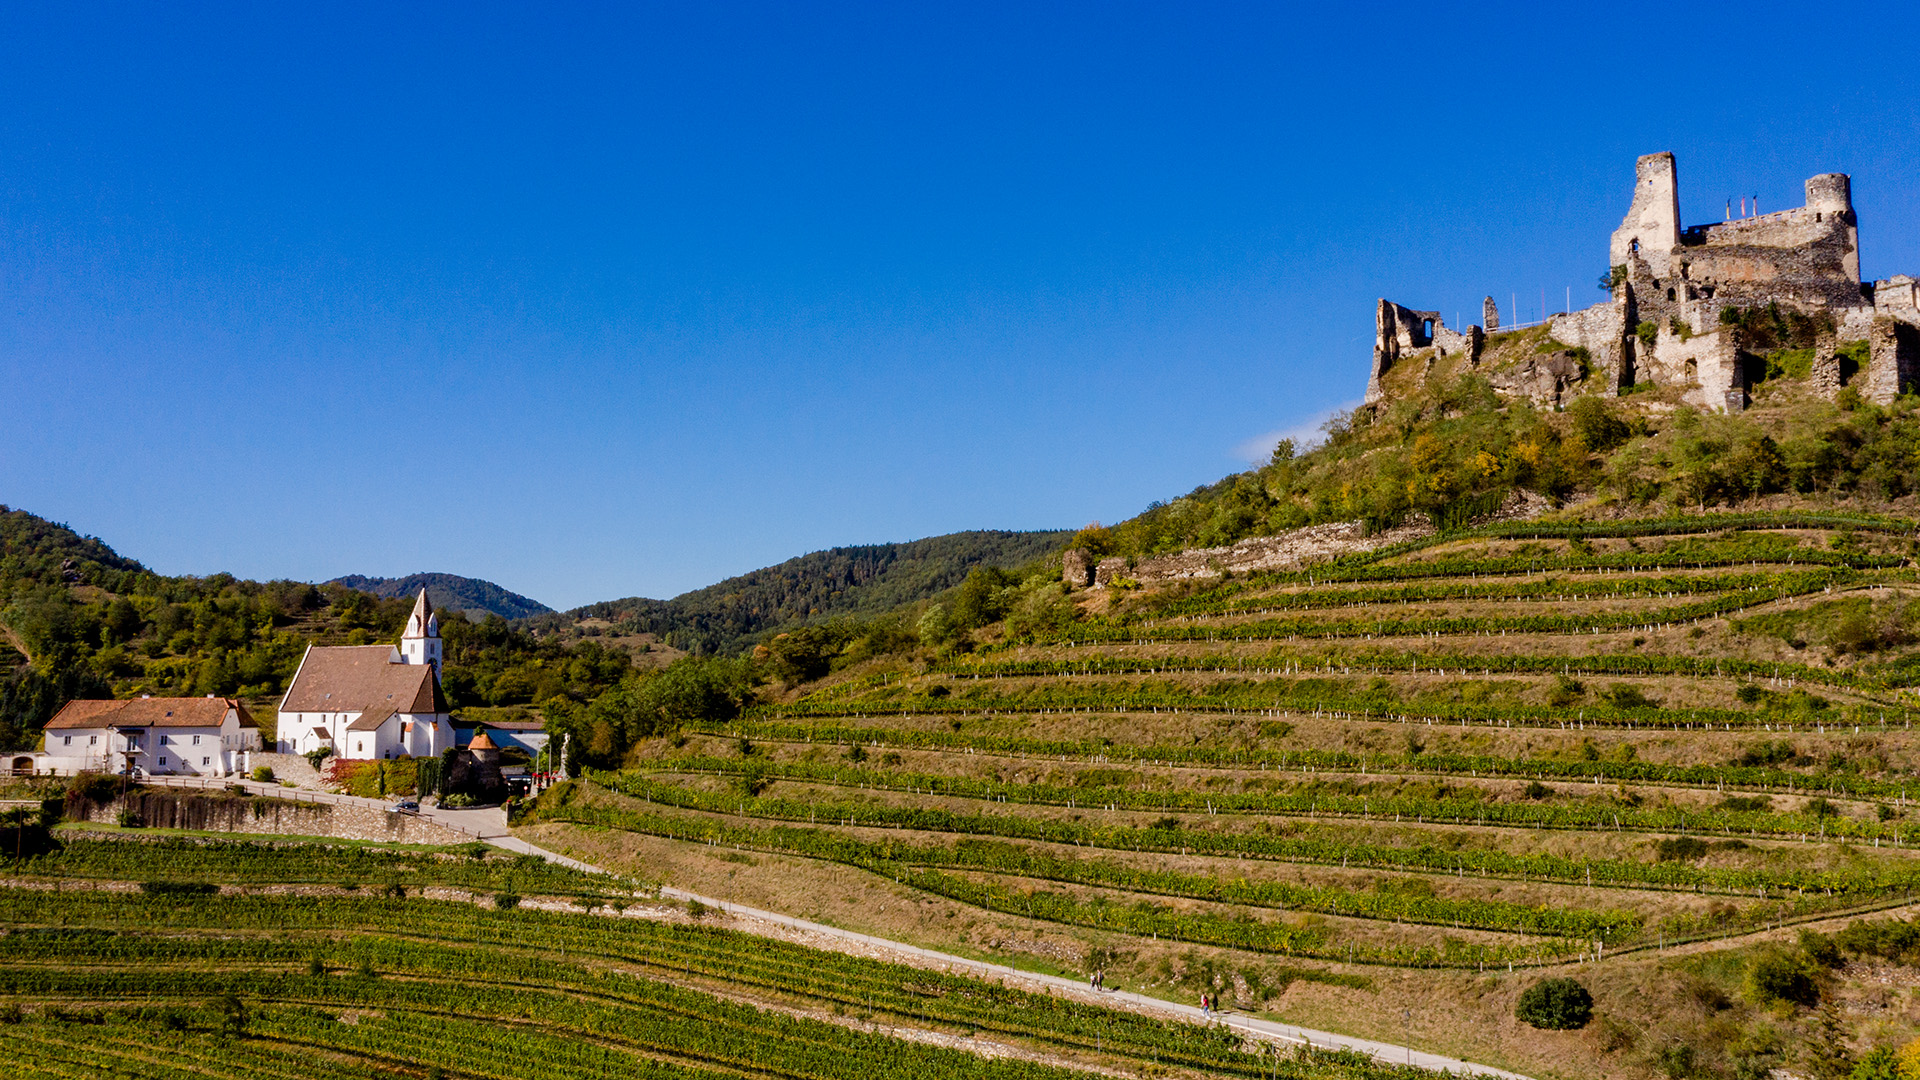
490	825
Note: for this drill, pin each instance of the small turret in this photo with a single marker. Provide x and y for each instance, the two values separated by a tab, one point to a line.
1830	193
420	643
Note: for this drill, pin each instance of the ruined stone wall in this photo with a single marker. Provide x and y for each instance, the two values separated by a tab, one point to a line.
1603	331
278	817
1709	365
1894	367
1397	331
1802	258
1076	569
1451	342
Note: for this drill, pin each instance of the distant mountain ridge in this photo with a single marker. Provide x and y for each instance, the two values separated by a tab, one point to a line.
450	592
866	579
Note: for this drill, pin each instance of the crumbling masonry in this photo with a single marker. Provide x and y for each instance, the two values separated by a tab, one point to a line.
1662	322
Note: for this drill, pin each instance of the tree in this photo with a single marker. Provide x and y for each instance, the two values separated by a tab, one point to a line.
1827	1047
981	598
233	1017
1555	1004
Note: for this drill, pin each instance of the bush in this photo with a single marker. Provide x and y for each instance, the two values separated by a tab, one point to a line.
263	774
1778	977
128	818
1680	849
1555	1004
506	901
457	801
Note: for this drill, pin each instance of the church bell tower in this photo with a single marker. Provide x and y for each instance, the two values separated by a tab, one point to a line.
420	644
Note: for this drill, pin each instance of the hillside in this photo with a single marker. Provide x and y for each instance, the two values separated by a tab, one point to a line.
264	958
864	580
1655	738
79	620
450	592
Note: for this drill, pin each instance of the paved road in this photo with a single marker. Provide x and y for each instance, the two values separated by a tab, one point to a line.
490	825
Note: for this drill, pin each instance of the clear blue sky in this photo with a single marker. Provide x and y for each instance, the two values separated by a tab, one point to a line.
604	301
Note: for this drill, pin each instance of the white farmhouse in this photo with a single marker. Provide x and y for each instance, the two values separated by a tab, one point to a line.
206	736
371	701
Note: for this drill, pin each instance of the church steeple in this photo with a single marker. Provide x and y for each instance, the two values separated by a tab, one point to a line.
420	644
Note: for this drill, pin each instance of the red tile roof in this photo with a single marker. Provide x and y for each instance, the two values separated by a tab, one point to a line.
150	712
361	678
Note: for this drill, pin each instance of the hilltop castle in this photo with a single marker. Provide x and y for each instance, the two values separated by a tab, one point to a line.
1676	294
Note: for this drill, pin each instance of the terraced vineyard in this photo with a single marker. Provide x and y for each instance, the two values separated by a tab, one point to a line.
1520	748
420	968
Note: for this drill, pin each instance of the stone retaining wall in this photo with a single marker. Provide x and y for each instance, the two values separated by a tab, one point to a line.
1291	550
239	814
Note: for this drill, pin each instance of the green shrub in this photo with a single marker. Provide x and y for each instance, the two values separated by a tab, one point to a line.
1555	1004
1776	976
263	774
506	901
1680	849
456	801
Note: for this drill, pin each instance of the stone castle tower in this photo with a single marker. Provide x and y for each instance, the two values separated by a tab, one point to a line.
1670	284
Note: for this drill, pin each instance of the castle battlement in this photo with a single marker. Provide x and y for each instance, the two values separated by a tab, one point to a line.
1670	285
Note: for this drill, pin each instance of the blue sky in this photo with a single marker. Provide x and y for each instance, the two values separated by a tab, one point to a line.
597	301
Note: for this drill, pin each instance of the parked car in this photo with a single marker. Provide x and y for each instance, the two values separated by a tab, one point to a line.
405	806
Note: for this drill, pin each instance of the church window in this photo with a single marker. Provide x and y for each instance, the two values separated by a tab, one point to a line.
196	740
163	761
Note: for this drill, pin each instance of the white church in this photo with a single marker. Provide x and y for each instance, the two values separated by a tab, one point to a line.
371	701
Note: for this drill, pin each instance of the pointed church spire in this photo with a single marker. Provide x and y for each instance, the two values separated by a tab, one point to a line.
422	611
420	643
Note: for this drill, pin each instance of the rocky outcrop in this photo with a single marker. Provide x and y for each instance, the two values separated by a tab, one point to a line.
1290	550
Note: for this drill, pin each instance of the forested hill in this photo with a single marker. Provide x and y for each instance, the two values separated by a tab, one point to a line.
865	580
450	592
77	620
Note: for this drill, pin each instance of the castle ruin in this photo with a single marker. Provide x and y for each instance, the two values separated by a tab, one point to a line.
1669	287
